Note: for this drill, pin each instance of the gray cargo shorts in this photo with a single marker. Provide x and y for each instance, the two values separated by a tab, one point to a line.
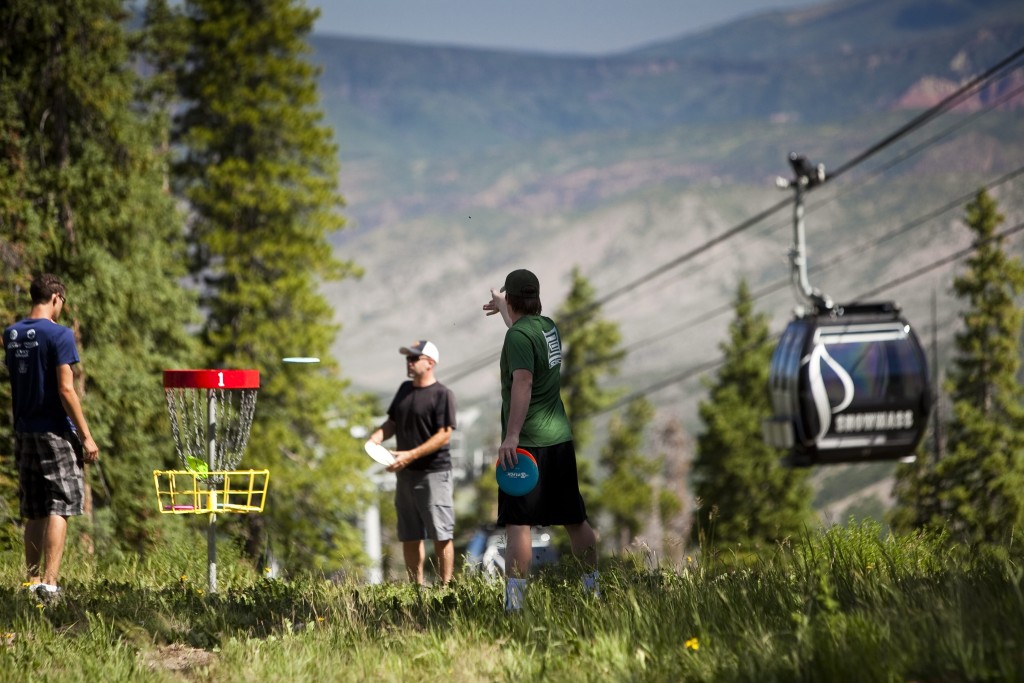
423	501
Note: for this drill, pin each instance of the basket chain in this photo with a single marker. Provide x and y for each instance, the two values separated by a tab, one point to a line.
233	412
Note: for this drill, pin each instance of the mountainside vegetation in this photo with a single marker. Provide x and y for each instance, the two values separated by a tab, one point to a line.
828	63
459	165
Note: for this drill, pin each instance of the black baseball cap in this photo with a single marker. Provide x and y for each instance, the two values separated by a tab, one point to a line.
522	283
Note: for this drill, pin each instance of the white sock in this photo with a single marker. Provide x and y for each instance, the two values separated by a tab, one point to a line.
591	583
515	590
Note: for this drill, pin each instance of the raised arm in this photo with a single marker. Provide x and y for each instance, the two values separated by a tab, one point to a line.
497	304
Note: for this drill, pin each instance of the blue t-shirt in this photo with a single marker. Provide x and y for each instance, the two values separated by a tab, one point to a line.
35	348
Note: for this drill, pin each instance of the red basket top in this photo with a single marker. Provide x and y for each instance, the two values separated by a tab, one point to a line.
211	379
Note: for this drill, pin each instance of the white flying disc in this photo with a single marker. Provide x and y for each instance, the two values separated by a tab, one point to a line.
301	359
379	453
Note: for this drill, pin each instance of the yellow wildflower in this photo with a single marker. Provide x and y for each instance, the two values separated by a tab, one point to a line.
692	644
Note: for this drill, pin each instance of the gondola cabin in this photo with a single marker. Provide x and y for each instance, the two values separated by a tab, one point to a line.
848	385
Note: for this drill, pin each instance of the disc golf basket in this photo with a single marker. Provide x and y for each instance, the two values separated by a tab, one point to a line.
211	414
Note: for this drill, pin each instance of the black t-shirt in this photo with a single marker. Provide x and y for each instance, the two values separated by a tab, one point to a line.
418	414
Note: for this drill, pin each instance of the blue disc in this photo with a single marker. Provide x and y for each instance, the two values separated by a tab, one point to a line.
522	478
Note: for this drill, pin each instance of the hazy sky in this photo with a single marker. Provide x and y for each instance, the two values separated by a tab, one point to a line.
564	26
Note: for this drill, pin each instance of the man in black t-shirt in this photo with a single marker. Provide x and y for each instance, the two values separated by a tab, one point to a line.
421	417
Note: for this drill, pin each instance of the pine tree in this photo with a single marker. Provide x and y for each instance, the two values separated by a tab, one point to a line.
162	45
260	175
87	204
591	353
16	228
743	494
976	492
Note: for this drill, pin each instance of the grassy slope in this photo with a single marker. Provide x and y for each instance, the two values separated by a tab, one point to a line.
841	605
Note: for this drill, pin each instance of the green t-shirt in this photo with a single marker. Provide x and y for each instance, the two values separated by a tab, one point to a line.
532	343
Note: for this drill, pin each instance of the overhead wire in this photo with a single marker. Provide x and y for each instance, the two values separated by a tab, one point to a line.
906	154
946	103
782	283
951	100
847	189
471	367
711	364
835	260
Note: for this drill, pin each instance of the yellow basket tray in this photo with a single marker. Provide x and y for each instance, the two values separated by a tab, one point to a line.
182	492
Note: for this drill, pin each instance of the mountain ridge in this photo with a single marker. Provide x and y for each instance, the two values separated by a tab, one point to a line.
436	100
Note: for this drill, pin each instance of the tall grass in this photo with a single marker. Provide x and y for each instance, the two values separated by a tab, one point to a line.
842	604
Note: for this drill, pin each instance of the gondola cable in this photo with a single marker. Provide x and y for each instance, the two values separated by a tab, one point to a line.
473	366
822	266
700	368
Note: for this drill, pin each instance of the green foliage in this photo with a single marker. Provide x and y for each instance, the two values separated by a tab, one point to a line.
591	353
163	44
88	204
259	170
976	492
17	223
743	494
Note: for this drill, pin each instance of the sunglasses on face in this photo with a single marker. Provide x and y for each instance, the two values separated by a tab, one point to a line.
412	359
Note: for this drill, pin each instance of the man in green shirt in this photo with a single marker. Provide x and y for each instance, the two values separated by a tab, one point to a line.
533	418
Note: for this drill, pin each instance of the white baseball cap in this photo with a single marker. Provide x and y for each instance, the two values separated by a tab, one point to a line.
422	348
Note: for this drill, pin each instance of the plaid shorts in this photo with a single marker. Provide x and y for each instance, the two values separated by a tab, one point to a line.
49	473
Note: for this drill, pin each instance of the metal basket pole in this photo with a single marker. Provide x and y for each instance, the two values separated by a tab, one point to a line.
211	454
234	422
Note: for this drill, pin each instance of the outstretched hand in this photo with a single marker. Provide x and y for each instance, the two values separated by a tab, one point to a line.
497	303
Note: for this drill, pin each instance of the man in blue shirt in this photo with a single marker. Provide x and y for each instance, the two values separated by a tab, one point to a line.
51	435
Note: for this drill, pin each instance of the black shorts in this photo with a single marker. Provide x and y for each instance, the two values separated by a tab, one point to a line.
556	499
49	474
